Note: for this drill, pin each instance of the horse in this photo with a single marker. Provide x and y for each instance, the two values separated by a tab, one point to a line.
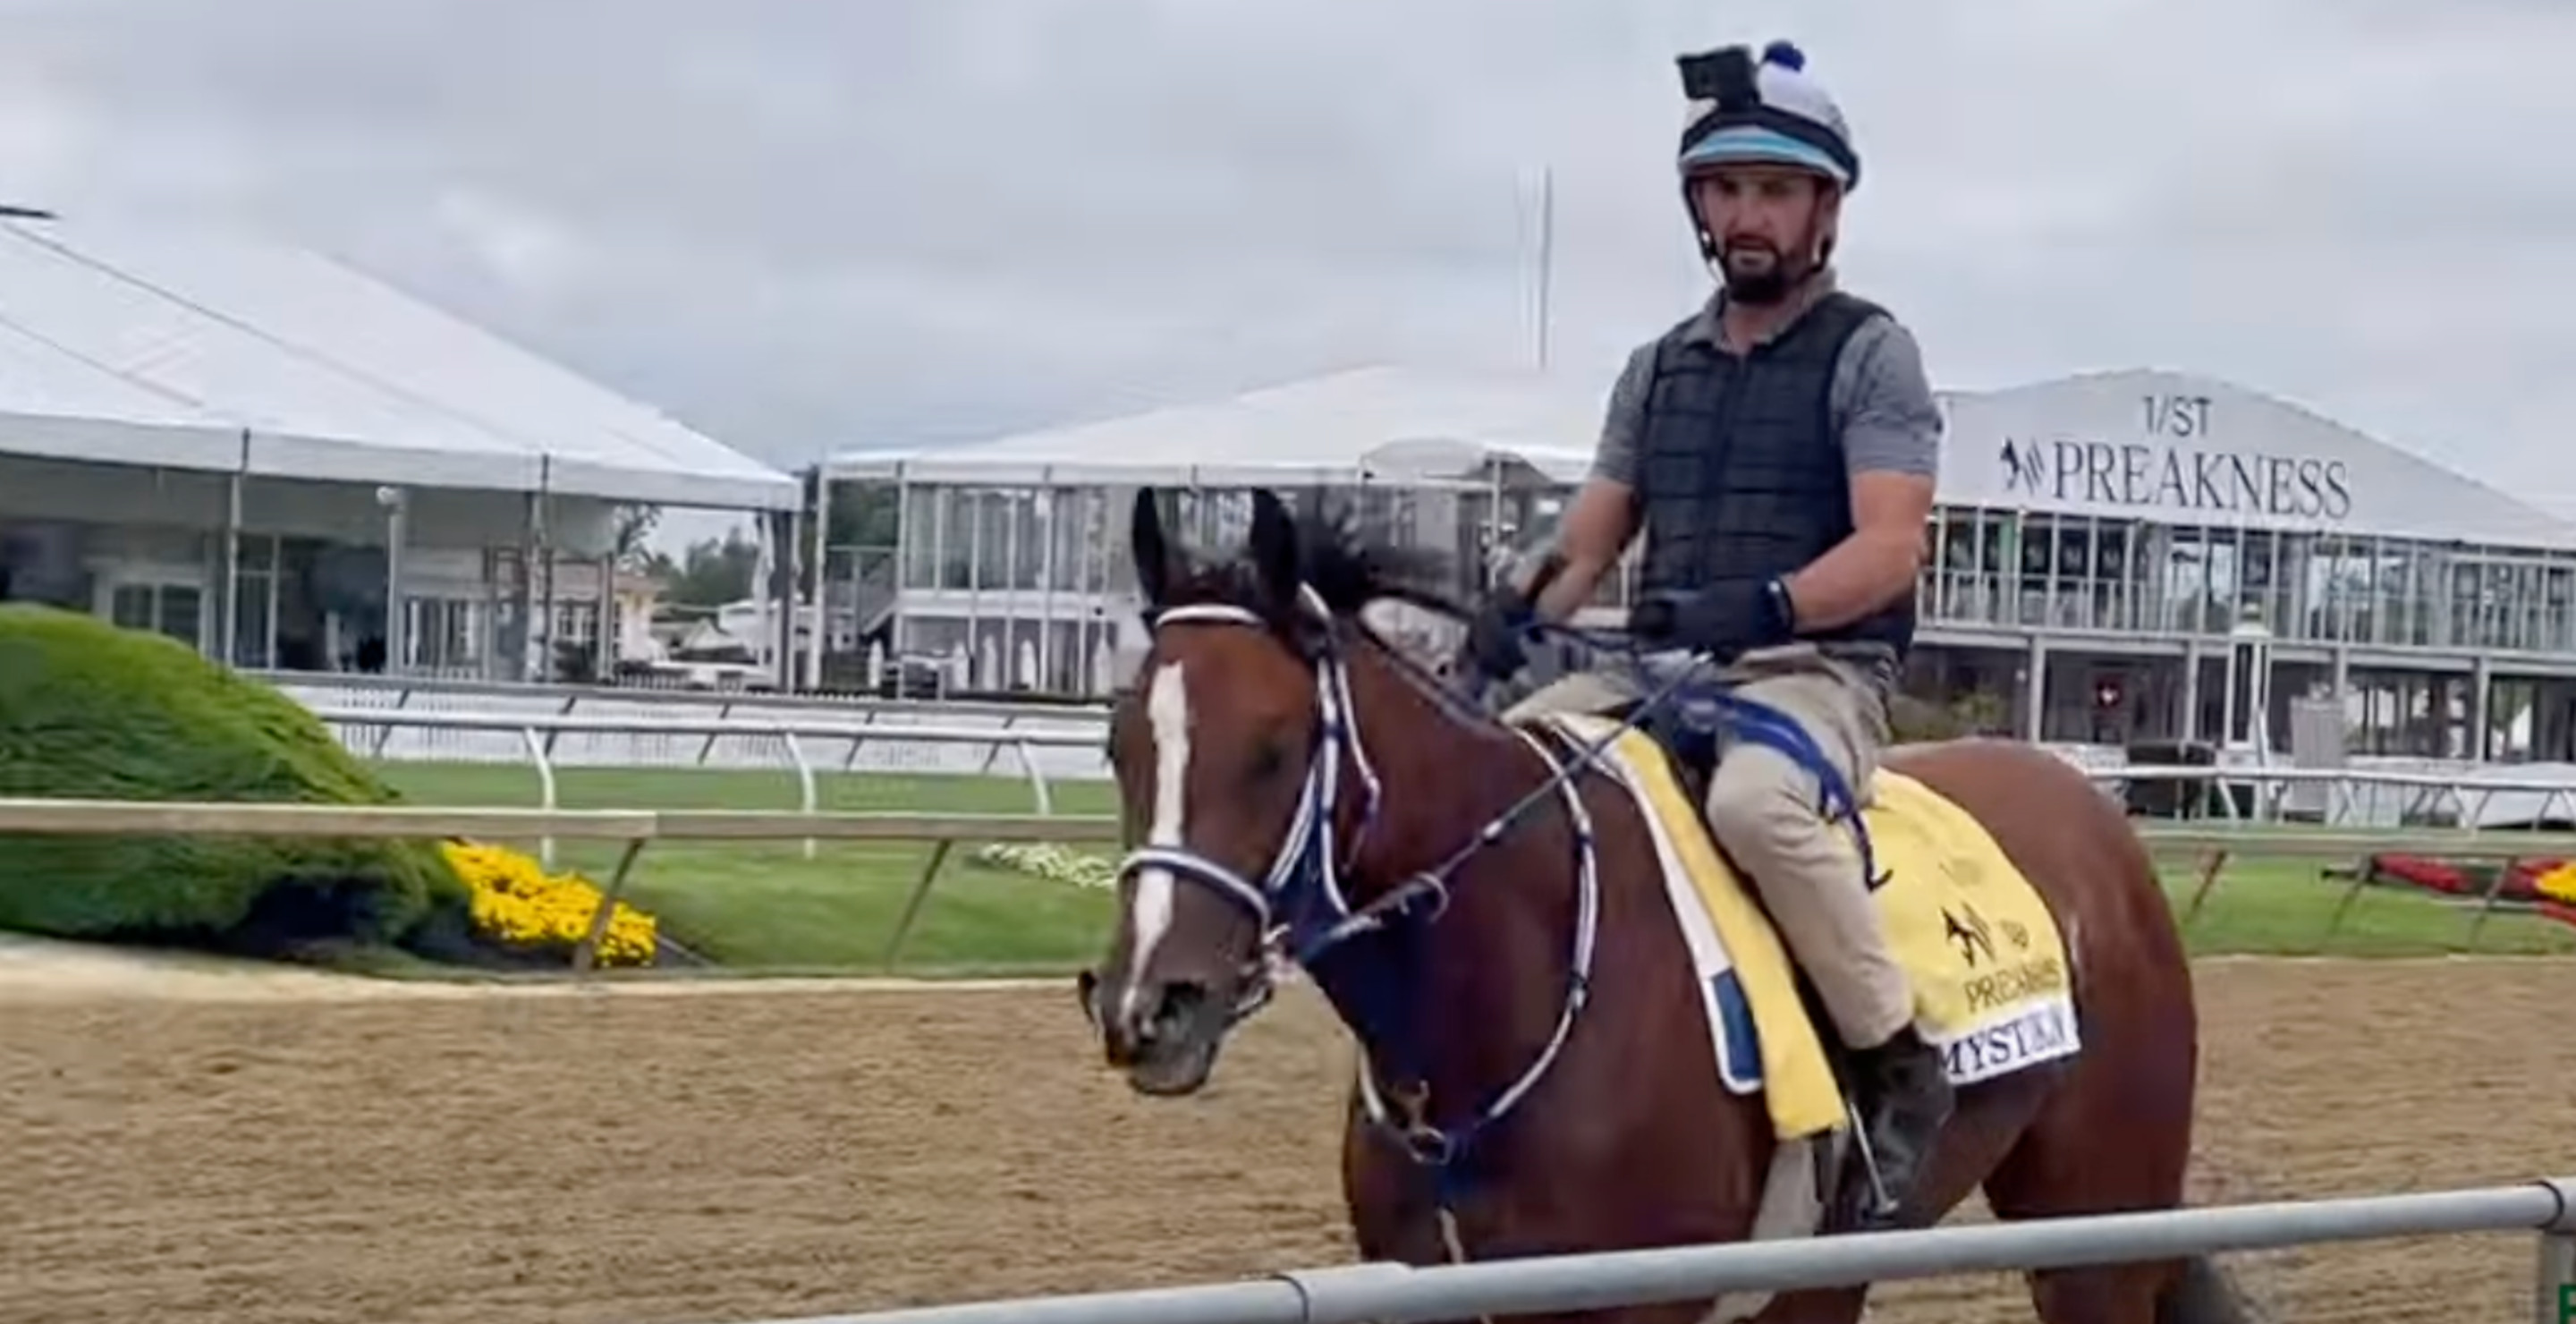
1486	919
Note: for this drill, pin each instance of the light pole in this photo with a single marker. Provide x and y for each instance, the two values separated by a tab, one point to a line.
396	503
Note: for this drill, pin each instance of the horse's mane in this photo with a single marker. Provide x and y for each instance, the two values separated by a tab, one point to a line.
1345	569
1349	572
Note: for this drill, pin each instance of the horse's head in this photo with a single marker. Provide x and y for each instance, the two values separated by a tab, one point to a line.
1239	772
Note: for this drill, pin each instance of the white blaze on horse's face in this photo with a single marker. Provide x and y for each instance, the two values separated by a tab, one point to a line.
1149	908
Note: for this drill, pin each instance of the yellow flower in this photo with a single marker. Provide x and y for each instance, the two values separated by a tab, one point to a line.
517	904
2559	884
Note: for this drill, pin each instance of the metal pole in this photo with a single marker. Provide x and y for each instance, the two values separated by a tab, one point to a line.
823	577
1546	253
2555	1292
397	623
2557	1289
232	558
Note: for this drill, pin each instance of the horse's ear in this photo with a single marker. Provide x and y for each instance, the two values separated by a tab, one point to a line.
1145	545
1274	547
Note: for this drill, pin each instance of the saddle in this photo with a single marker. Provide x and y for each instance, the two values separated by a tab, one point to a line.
1688	744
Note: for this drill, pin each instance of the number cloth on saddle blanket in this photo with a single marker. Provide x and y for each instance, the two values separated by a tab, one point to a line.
1986	960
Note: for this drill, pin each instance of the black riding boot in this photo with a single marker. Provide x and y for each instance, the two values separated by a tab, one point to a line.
1905	1098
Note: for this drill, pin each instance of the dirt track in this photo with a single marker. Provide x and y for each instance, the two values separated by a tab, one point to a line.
751	1155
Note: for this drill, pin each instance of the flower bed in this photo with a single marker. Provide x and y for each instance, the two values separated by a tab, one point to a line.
2521	883
2548	886
1054	863
519	906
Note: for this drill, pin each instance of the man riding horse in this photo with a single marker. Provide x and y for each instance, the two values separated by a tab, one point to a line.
1780	447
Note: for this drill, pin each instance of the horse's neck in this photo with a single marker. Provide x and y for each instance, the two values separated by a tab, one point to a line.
1491	970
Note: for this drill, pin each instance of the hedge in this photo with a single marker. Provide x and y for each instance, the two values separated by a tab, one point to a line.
90	710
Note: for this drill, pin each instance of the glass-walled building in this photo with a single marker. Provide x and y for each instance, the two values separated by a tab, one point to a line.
2146	556
2113	559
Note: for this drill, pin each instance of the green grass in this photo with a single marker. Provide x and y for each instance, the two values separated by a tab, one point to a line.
2284	907
764	906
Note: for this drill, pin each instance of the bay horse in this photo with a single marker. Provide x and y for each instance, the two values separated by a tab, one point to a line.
1489	923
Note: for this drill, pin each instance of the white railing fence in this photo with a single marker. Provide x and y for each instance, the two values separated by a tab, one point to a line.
2353	797
2369	792
806	746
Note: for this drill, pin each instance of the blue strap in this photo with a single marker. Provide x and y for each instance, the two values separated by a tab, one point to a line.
1765	725
1749	719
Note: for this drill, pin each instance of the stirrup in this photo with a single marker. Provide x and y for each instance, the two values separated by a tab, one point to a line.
1878	1206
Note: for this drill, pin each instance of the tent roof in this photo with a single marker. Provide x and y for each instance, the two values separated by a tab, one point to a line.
192	349
1375	422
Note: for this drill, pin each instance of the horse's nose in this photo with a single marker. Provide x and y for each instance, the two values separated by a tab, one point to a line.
1136	1023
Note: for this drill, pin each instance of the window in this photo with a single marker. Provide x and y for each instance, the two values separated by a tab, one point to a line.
177	610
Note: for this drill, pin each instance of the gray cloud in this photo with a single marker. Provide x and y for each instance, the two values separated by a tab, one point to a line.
806	226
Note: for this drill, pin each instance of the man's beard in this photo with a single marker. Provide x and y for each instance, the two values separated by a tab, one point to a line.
1761	288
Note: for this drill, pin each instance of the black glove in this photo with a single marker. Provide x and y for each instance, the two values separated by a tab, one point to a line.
1723	620
1494	639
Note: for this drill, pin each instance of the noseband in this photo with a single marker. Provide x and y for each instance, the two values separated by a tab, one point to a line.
1302	911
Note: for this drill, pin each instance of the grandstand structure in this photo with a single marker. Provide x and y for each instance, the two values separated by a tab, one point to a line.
254	449
2115	558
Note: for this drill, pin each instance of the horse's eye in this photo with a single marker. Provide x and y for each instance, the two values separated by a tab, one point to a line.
1268	759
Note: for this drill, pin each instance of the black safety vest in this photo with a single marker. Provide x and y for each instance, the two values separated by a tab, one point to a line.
1741	471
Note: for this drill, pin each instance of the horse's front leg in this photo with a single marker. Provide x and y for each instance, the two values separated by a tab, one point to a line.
1393	1217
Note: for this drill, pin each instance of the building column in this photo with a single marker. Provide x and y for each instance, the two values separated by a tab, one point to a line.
2481	705
2188	729
228	633
603	650
396	503
782	592
821	569
2035	712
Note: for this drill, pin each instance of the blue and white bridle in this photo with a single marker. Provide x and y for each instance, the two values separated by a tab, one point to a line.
1302	912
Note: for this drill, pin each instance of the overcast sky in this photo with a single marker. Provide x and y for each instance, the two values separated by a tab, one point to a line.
804	226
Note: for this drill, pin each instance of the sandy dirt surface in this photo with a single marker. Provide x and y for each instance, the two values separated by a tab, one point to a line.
190	1144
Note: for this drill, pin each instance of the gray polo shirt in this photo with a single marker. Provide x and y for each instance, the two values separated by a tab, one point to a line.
1880	401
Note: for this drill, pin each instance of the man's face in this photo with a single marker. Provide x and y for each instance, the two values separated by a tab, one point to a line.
1768	221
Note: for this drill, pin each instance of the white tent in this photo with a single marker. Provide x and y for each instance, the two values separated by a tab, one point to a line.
193	350
1363	425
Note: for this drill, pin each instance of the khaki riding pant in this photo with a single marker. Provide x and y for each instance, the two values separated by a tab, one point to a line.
1765	810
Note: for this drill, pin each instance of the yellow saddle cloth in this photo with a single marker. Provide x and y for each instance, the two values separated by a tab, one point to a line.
1986	959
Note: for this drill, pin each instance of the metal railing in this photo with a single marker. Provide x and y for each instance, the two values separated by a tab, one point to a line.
2367	794
1394	1293
410	691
